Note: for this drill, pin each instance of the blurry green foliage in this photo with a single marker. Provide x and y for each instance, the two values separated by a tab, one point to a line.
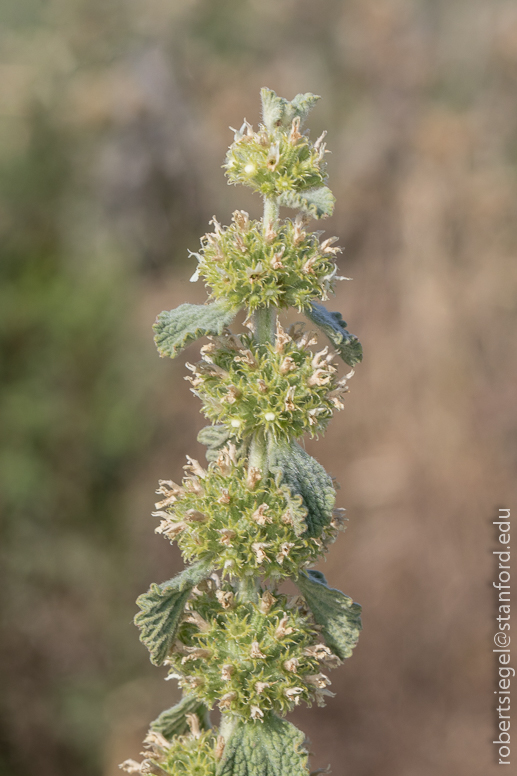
72	419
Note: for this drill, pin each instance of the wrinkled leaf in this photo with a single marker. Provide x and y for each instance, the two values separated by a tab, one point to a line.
301	106
175	329
338	615
307	478
277	111
272	108
273	747
173	722
161	610
346	344
318	202
214	437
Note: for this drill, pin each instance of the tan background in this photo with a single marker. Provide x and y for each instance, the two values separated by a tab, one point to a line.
113	126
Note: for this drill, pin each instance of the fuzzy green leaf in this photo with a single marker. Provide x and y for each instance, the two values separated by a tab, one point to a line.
336	612
161	610
214	437
307	478
272	108
319	202
333	325
173	722
301	106
175	329
271	748
277	111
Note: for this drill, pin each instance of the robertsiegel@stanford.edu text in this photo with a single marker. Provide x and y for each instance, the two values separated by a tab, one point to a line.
505	672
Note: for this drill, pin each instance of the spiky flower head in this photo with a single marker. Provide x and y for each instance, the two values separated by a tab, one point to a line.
239	521
188	755
282	388
285	267
276	161
249	658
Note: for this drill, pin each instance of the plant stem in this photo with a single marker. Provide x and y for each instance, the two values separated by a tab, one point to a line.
264	324
227	726
248	590
264	319
271	209
258	452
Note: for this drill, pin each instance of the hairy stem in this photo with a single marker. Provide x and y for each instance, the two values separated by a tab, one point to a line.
264	319
228	724
248	590
264	324
258	452
271	209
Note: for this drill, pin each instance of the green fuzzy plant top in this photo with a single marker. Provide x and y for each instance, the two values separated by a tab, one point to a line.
262	511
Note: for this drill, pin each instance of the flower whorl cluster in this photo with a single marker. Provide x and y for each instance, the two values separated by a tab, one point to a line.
283	388
249	658
276	160
263	510
229	517
183	756
285	267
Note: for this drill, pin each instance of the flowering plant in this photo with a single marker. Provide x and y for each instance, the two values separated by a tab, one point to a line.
262	510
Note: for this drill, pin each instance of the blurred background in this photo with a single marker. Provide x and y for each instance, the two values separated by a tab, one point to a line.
114	122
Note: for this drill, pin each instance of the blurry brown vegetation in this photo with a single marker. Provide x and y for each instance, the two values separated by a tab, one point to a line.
113	127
